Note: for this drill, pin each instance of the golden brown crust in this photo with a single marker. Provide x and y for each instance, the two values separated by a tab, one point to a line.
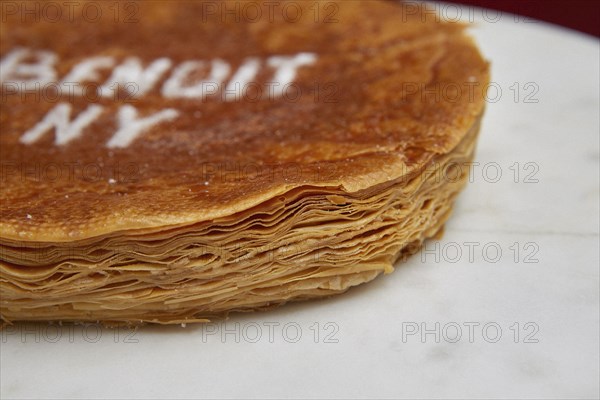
372	133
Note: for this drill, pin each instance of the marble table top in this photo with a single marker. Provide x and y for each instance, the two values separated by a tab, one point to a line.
505	305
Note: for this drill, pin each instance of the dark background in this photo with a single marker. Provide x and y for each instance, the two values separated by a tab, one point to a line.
581	15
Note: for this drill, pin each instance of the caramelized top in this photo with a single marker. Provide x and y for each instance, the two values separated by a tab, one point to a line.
388	88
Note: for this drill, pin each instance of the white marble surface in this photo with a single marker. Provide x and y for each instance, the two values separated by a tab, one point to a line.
557	217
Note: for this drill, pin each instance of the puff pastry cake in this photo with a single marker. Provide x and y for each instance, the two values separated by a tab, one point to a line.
178	161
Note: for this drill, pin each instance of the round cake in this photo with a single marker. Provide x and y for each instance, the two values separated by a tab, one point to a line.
172	162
